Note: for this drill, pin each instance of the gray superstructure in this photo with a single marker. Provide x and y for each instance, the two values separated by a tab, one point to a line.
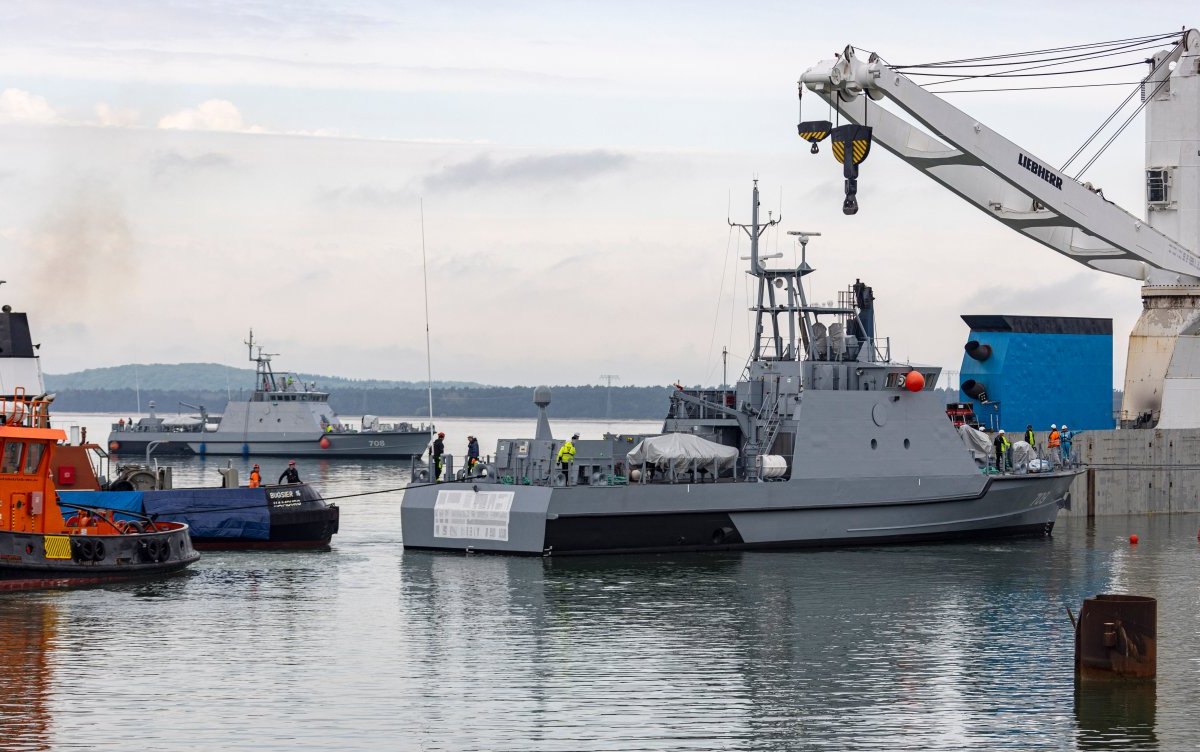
836	444
283	417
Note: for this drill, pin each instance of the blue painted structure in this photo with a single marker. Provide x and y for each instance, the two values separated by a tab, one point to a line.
1038	370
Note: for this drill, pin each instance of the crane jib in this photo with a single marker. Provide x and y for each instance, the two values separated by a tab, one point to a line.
1040	171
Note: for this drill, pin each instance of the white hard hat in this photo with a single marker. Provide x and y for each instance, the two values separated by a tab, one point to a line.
1052	426
1064	426
1001	430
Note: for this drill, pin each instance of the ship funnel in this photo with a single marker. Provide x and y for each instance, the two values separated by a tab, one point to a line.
977	350
541	398
975	389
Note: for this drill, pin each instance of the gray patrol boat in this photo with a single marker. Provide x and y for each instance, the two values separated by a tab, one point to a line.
825	441
284	417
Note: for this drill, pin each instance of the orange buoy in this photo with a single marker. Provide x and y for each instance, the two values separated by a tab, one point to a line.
914	381
324	442
114	446
1133	539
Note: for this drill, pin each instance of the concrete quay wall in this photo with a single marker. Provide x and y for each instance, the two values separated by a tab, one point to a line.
1138	471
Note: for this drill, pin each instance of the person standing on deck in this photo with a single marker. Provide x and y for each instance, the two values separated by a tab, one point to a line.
1030	438
291	474
1002	445
435	454
255	477
1052	444
1065	442
472	452
566	455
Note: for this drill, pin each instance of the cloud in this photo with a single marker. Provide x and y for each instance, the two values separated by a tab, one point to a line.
485	171
1066	297
171	163
108	116
19	106
213	115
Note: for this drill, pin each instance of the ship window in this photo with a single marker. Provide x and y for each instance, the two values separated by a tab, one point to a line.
1158	183
11	462
33	457
893	380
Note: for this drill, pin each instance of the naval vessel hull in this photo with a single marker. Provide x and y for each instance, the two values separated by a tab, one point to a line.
377	445
477	517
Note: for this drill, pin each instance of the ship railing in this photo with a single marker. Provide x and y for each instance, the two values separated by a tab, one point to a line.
25	411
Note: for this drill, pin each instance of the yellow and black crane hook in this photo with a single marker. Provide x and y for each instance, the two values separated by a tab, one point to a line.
851	145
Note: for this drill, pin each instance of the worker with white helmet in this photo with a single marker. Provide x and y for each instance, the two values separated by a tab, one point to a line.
1053	445
1002	445
1065	436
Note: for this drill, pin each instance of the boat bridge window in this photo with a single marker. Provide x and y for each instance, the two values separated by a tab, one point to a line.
33	457
11	461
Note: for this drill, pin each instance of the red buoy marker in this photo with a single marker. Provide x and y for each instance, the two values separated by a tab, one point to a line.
914	381
1133	539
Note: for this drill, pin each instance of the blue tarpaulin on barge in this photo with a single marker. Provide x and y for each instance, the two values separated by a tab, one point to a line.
209	512
129	501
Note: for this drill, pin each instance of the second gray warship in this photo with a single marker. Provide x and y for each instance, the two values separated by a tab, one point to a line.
284	417
824	441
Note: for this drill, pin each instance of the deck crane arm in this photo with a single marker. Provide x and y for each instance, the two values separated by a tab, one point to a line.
1003	179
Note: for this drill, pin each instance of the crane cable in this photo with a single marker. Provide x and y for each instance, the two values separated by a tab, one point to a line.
1121	130
1111	43
1115	112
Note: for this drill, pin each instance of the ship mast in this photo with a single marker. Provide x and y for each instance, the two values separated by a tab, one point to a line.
264	377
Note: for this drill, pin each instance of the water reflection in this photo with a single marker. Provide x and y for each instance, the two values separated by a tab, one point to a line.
28	629
908	648
1117	715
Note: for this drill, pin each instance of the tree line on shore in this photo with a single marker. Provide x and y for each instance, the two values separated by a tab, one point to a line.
627	402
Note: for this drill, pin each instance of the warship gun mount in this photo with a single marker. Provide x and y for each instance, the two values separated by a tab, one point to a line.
824	440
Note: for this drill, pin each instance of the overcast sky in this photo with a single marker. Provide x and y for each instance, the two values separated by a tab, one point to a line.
173	173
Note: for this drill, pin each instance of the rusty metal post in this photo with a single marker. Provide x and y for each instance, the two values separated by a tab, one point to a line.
1116	638
1091	493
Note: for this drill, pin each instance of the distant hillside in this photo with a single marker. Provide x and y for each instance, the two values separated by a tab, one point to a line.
206	377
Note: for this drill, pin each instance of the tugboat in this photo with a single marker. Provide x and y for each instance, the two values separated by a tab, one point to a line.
826	441
284	417
39	545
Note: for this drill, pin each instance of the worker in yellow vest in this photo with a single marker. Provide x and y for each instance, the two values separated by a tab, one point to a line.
566	455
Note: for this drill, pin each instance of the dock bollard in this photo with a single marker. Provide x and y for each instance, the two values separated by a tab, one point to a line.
1116	639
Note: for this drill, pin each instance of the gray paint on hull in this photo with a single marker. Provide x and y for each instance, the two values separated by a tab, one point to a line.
308	445
795	512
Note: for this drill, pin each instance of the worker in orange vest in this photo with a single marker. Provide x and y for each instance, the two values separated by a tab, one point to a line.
1052	443
255	477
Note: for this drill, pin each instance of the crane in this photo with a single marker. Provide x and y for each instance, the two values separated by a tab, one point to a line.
1016	187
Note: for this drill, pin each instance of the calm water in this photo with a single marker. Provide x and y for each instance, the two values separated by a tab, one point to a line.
366	647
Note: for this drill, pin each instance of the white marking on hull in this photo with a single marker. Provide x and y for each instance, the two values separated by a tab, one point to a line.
481	515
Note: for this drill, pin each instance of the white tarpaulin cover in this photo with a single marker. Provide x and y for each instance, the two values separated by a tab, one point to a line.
1022	455
979	444
680	450
181	421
